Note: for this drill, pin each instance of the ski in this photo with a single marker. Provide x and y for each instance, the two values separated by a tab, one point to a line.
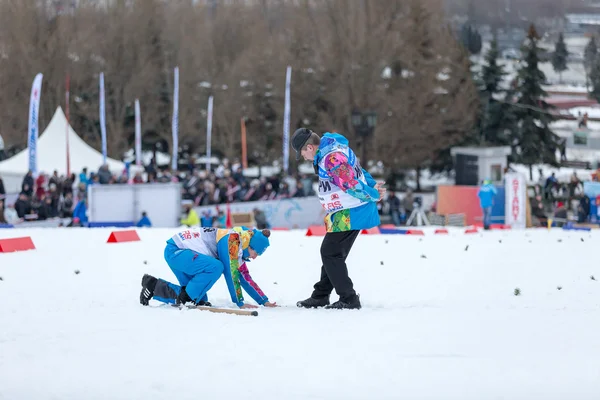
253	313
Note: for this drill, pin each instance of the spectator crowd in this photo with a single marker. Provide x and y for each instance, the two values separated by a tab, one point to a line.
54	196
561	201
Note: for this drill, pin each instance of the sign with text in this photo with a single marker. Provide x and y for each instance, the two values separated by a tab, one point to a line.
515	195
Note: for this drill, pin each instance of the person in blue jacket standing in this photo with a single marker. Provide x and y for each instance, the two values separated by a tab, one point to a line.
80	211
348	194
199	256
486	195
144	221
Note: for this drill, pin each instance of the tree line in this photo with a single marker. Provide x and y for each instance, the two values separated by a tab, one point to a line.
398	58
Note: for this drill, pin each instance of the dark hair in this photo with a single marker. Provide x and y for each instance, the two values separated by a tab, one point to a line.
266	232
313	139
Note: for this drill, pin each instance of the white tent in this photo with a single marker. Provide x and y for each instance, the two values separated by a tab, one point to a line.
52	155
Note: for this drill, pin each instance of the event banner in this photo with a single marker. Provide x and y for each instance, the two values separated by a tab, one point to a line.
102	113
209	119
138	134
175	119
33	132
286	121
515	189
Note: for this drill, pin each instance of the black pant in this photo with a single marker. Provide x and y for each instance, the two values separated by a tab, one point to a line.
334	272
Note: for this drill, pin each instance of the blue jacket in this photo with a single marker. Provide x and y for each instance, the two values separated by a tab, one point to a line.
228	246
486	195
145	221
346	191
80	212
206	221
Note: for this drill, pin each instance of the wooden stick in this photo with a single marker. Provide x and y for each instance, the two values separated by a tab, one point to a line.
225	310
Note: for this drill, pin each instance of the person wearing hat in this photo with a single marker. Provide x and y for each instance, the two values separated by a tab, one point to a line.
348	194
191	216
199	256
486	195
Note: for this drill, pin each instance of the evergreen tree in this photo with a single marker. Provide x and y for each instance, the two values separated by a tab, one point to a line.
590	52
559	57
471	38
497	116
492	73
595	78
501	122
589	56
535	142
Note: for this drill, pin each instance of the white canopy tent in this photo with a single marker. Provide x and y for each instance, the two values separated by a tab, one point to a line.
52	155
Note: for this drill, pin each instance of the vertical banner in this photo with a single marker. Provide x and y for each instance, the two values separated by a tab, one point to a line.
33	129
244	147
102	117
515	192
209	132
67	96
175	120
286	121
138	134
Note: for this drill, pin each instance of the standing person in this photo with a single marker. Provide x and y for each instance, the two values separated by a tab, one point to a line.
2	190
198	257
2	155
349	195
486	194
395	204
191	216
144	221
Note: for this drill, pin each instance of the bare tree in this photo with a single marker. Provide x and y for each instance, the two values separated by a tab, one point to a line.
28	42
341	53
432	100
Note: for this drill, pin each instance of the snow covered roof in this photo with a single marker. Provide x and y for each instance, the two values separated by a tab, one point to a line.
568	127
583	19
570	89
562	174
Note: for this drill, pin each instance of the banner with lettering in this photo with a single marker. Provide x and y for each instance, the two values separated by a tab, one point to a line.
33	131
516	202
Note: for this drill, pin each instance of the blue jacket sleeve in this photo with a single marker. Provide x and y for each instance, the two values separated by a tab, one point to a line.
365	193
370	181
228	250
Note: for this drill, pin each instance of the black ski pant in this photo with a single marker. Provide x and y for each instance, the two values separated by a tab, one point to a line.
334	272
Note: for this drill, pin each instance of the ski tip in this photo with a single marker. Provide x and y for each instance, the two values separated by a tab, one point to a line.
255	313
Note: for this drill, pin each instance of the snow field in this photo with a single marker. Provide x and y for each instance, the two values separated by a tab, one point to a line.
439	321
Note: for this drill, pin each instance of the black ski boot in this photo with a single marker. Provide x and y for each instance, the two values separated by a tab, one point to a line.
148	286
311	302
183	298
352	303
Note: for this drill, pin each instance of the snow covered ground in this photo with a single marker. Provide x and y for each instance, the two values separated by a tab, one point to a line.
440	321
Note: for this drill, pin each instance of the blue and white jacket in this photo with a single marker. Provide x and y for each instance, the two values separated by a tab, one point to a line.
346	191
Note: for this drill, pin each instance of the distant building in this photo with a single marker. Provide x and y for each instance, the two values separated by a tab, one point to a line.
587	23
507	42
